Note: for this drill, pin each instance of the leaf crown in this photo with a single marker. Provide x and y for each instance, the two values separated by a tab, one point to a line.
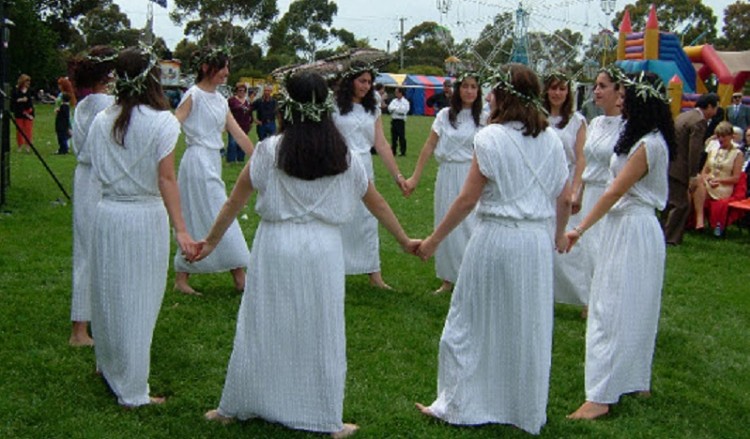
312	110
502	80
127	86
644	89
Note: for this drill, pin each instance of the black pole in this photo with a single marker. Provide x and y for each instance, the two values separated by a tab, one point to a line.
4	109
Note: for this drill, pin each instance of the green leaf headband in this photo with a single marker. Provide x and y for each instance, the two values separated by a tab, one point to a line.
613	72
502	80
645	89
210	55
308	110
356	70
127	86
556	75
468	74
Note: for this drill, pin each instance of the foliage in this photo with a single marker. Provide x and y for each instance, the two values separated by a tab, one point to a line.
736	27
690	17
304	28
107	25
427	44
701	380
200	16
492	46
30	35
557	50
421	69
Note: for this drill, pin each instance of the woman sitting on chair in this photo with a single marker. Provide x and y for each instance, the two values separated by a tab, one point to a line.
720	173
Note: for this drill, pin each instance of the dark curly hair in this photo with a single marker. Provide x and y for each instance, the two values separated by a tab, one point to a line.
511	107
566	110
345	90
131	62
645	113
309	149
86	70
457	105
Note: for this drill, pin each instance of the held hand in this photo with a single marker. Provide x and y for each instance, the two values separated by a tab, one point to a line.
411	246
426	248
575	204
572	237
402	185
205	249
713	182
561	244
411	184
188	247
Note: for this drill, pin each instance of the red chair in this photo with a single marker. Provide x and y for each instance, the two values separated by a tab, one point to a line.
718	211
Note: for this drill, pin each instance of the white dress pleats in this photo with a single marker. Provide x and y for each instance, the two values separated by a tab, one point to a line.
288	364
627	283
130	247
202	190
87	192
495	350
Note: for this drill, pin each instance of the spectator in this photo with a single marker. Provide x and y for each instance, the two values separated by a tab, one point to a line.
738	114
438	101
242	110
265	111
63	128
399	108
22	106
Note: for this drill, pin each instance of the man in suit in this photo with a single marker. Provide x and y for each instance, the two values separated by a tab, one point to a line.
738	114
690	128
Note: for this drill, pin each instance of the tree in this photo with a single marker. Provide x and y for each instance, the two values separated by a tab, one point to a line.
60	15
201	15
107	25
493	46
696	20
427	44
303	29
736	27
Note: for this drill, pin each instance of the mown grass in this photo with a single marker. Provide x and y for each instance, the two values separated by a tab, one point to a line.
701	384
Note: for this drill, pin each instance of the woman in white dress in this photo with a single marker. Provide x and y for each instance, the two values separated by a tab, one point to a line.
601	135
570	284
204	115
496	346
134	161
626	288
91	74
451	140
288	364
357	118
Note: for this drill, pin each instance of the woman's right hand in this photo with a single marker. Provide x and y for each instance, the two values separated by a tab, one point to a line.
427	248
205	248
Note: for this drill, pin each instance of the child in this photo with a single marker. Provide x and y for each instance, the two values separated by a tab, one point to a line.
62	124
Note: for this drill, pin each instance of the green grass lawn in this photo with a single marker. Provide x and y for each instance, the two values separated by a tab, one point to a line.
701	374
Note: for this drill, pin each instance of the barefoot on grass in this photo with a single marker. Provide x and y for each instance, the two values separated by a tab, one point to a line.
157	400
376	280
446	287
79	335
213	415
348	430
186	289
589	410
238	274
424	410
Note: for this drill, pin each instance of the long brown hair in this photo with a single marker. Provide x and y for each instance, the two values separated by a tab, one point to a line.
522	103
131	63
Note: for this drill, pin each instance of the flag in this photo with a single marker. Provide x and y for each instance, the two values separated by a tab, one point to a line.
162	3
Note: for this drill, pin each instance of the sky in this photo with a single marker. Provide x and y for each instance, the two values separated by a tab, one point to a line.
464	18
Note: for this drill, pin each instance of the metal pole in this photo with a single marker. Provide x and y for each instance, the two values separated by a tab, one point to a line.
401	50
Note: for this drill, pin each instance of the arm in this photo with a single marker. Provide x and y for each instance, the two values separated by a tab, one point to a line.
183	111
385	153
576	191
427	150
461	207
562	210
171	196
634	170
377	205
241	192
734	178
239	135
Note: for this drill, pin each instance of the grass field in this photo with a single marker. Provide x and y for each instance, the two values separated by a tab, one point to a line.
701	374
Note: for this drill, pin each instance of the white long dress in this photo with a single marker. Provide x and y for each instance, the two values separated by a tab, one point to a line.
87	192
574	270
202	191
360	235
496	347
626	289
288	364
130	247
453	152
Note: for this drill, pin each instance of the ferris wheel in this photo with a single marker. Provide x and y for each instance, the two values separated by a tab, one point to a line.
526	21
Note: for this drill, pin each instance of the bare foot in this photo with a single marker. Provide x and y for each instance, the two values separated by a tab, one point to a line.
157	400
348	430
585	312
214	415
424	410
78	341
446	287
376	280
238	274
589	410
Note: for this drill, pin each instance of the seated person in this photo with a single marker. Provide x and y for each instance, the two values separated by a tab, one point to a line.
720	173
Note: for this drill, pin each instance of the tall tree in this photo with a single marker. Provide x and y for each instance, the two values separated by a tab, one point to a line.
427	44
304	29
200	15
736	27
31	35
107	25
60	16
696	20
